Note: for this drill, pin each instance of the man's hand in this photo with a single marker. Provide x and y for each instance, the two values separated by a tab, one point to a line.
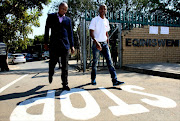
98	46
72	50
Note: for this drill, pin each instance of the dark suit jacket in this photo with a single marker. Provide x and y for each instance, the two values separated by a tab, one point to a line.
61	33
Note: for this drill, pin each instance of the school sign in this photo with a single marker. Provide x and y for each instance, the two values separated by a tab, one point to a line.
151	44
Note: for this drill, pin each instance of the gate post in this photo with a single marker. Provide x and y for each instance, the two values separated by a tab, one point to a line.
119	46
84	45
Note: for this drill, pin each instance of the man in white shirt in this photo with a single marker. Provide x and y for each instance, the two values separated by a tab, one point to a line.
99	28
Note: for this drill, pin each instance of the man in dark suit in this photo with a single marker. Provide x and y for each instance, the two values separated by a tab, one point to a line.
61	41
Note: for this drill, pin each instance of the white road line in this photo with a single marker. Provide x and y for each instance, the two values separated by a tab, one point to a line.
8	85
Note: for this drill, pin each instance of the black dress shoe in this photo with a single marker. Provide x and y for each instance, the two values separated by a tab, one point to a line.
116	82
66	88
7	69
50	79
93	82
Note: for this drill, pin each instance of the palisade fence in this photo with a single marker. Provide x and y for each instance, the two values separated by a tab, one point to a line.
130	19
119	21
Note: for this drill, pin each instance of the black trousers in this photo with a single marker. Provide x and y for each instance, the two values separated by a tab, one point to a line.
54	58
3	63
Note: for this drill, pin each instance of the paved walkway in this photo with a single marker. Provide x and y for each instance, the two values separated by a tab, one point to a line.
170	70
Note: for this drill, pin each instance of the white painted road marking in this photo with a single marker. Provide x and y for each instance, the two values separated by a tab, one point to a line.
162	102
91	109
20	112
10	84
123	108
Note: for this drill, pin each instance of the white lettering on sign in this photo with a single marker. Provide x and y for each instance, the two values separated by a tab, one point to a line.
91	109
20	112
123	108
162	102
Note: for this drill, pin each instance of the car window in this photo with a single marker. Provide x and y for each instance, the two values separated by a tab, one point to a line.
9	54
19	55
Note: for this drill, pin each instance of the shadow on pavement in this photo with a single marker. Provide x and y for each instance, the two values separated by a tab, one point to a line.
22	94
43	93
25	71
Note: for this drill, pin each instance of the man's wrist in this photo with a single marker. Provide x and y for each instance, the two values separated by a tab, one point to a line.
94	39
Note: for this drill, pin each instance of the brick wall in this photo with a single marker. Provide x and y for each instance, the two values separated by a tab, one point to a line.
134	52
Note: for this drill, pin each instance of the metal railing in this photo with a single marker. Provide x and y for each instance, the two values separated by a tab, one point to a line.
118	21
130	19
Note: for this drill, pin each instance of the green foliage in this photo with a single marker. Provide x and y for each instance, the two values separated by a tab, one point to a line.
169	8
17	18
39	39
163	7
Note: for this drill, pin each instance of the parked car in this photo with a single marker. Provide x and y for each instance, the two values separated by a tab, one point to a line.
9	54
25	54
16	58
45	55
29	57
35	56
9	57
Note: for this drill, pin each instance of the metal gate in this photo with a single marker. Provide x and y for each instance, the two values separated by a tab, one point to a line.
119	21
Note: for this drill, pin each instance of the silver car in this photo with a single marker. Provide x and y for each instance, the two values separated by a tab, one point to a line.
45	55
16	58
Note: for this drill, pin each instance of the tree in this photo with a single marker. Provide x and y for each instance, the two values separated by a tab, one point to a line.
39	39
169	8
16	19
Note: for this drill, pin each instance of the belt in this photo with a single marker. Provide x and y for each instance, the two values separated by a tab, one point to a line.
103	42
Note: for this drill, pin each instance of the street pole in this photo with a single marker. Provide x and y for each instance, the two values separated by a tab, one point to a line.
119	46
84	45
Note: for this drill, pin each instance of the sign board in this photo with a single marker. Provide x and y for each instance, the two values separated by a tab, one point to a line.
153	30
164	30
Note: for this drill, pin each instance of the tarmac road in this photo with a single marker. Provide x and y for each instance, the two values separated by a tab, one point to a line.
26	95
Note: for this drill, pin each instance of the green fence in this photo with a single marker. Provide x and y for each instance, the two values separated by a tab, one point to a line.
130	19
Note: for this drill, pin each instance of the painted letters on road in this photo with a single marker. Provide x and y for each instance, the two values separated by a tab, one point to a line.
91	109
